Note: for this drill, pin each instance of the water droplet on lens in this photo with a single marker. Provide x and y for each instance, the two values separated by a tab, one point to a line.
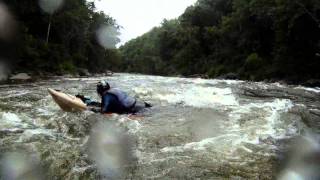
50	6
7	23
107	36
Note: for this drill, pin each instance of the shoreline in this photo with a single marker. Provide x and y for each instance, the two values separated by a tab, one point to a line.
311	83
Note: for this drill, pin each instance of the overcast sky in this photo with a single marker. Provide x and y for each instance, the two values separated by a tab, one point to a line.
139	16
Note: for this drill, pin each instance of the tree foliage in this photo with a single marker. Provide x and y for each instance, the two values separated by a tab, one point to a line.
256	39
72	43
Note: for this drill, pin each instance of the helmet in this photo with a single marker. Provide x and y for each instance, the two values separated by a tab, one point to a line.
102	86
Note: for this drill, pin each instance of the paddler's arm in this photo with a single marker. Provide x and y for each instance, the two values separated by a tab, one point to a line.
108	114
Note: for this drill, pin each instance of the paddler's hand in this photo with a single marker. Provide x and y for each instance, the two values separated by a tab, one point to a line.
79	96
108	114
135	117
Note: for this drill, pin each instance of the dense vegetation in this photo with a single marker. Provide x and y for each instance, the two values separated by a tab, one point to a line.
254	39
250	39
71	43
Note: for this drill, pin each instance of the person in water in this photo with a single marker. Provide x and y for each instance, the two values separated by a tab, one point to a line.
114	100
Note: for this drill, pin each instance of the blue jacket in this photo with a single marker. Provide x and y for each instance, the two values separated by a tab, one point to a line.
123	97
116	101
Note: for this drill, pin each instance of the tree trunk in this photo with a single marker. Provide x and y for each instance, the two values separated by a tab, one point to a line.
49	28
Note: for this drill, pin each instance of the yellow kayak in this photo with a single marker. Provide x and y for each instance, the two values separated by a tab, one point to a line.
67	102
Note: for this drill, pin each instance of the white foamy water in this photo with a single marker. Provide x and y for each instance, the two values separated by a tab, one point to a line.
213	82
10	120
267	122
222	141
316	90
197	126
241	129
206	97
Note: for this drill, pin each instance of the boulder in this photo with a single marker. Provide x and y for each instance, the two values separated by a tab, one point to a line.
179	76
109	73
20	77
203	76
232	76
68	75
84	72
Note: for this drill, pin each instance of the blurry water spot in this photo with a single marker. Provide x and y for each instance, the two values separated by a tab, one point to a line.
304	160
7	23
107	36
20	166
50	6
4	69
109	148
291	175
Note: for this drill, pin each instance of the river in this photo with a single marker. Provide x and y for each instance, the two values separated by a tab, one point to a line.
197	128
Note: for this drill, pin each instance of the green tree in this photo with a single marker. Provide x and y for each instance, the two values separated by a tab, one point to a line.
73	40
257	39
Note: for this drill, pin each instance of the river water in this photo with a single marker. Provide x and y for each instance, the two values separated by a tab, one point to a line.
205	129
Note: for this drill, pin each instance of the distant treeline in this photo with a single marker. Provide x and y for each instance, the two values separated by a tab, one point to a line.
253	39
70	45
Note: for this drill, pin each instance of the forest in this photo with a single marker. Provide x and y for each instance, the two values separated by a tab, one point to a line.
245	39
60	39
242	39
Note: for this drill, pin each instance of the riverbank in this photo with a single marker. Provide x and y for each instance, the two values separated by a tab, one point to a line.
33	77
313	82
21	77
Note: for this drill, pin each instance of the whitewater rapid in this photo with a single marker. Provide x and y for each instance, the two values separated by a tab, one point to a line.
196	128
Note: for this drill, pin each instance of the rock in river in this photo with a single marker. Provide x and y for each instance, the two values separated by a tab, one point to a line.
21	77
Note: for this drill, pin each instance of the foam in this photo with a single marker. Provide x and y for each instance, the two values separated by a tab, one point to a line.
202	145
207	97
11	120
316	90
236	135
132	125
271	119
